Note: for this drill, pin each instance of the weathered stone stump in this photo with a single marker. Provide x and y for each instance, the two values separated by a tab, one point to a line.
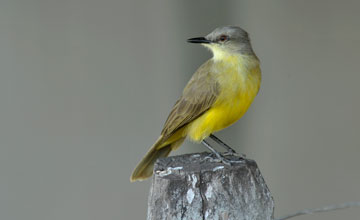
197	187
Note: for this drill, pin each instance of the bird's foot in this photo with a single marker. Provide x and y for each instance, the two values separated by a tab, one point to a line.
221	157
227	161
233	153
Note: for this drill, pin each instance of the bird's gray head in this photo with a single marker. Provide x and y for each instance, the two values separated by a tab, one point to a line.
228	39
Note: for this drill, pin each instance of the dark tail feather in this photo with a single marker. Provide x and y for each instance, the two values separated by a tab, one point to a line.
145	168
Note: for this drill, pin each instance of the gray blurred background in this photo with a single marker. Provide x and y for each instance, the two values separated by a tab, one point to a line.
85	87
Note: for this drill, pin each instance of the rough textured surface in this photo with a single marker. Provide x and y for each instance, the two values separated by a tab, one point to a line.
195	186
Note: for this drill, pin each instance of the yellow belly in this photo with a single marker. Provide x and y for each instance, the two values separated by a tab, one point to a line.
237	93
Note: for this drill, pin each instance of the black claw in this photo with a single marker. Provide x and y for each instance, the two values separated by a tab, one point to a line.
222	157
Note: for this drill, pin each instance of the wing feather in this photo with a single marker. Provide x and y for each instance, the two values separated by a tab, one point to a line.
198	96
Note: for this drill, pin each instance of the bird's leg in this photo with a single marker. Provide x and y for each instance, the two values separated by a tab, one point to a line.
217	154
230	151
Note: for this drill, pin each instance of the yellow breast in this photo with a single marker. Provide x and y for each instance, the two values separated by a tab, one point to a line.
239	79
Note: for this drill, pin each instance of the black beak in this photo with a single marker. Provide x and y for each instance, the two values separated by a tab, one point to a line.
199	40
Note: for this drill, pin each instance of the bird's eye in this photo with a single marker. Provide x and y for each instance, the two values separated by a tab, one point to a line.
223	38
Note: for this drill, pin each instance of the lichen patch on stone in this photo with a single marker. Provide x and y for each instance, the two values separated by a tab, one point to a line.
209	192
218	168
190	195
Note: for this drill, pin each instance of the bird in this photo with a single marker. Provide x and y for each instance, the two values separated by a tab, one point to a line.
217	95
